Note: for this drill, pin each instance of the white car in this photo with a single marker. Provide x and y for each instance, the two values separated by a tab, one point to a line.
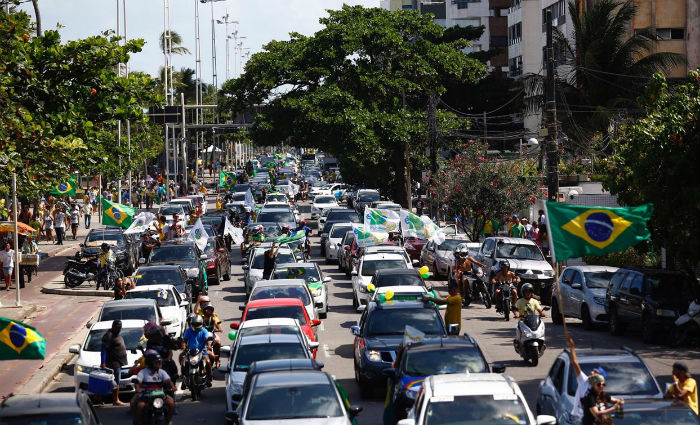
391	249
89	352
335	236
322	202
478	398
331	189
253	270
284	288
369	263
313	276
322	218
173	305
168	210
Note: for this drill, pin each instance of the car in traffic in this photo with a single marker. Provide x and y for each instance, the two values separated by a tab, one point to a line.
365	198
125	247
368	265
169	210
218	265
335	236
582	294
438	258
472	398
173	306
49	408
277	215
314	278
182	252
173	275
414	247
322	202
253	269
649	300
379	332
89	352
335	216
137	309
284	288
628	376
344	249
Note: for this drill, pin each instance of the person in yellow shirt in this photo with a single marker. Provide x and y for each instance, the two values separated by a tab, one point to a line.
218	204
453	312
684	387
526	304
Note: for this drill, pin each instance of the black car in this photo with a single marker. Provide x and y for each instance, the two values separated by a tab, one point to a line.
163	275
126	248
380	331
336	216
365	198
649	300
430	356
186	254
55	408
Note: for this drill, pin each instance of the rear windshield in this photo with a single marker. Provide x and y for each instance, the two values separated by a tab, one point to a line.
369	267
598	279
309	274
369	197
289	311
126	312
276	216
671	285
164	298
95	239
280	292
173	253
324	199
248	354
340	231
449	244
518	252
160	277
64	418
171	209
344	216
394	322
132	338
282	257
398	280
444	360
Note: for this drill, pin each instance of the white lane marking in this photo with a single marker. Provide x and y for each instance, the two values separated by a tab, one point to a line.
322	327
325	351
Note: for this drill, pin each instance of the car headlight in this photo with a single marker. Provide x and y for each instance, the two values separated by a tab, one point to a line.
599	300
549	273
192	272
158	403
373	355
85	369
665	312
316	292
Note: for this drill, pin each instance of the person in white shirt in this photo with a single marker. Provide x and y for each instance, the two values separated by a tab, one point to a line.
583	386
7	256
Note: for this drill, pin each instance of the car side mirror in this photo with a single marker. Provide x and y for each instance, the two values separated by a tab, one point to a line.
407	421
318	305
203	257
74	349
184	303
498	368
245	267
315	322
353	273
89	324
225	351
361	308
314	345
241	307
543	420
415	262
327	279
234	325
453	329
224	368
142	260
354	411
575	286
81	245
355	330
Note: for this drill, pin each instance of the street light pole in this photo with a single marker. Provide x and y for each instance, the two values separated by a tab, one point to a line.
18	302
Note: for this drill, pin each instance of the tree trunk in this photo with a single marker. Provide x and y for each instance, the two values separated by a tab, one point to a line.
37	16
402	171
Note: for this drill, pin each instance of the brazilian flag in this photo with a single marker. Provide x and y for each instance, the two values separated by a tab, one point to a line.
226	179
67	188
296	236
117	214
20	341
575	230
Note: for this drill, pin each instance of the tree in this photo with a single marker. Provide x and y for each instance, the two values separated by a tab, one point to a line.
656	159
357	89
479	189
176	47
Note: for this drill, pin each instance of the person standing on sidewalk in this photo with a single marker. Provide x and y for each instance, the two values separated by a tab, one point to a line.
7	256
87	213
28	247
60	219
74	220
48	224
113	356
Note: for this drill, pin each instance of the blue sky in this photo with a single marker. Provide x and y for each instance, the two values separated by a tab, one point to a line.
260	21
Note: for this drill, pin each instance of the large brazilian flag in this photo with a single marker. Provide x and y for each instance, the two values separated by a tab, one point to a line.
20	341
67	188
575	230
227	179
117	214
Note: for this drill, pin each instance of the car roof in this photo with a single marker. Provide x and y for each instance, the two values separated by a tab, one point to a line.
402	305
274	209
341	223
411	272
383	248
264	366
431	343
177	242
129	323
598	355
292	377
383	256
134	302
279	282
273	302
270	339
461	384
587	269
515	241
42	403
306	264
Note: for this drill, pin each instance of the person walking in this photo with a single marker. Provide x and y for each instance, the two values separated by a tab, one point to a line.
87	213
684	388
74	220
7	257
48	225
113	356
28	247
60	219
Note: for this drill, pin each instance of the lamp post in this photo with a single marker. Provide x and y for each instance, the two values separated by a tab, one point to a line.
531	143
224	20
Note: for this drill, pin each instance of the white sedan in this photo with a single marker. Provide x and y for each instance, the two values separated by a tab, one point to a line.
321	203
173	305
370	263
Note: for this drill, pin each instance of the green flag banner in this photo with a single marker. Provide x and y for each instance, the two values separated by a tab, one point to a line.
67	188
296	236
20	341
117	214
575	231
226	179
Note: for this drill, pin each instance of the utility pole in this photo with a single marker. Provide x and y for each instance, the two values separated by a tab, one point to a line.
432	141
552	134
224	20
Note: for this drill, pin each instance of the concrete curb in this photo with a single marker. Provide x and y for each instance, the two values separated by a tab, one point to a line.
24	311
76	292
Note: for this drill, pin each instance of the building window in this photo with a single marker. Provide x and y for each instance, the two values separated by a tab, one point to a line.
515	66
670	33
515	33
514	4
498	41
558	14
463	4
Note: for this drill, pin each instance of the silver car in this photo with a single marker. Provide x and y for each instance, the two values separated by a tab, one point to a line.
438	258
582	294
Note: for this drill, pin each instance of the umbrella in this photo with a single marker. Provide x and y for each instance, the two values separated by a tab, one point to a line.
22	229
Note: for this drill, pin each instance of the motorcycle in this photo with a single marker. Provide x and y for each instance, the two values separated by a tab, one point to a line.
529	338
479	288
194	373
76	271
687	324
110	275
506	298
156	410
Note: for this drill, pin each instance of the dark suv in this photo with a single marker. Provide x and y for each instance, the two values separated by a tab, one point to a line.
182	252
380	331
648	299
126	248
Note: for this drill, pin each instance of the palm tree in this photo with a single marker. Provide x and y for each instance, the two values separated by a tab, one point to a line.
175	42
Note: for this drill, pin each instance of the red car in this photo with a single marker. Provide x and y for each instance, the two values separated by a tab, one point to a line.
217	263
281	307
414	246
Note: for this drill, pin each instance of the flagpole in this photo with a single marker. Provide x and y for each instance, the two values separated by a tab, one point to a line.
556	270
18	303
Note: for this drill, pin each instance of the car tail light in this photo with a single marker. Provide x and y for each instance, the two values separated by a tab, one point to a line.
362	343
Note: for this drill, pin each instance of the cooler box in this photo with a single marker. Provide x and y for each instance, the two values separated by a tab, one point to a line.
29	260
101	382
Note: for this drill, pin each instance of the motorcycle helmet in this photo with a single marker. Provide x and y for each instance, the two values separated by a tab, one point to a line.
504	263
302	222
527	287
196	323
105	246
462	250
152	357
258	230
208	309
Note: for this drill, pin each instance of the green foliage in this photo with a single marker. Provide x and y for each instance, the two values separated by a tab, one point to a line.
631	257
479	188
357	89
656	159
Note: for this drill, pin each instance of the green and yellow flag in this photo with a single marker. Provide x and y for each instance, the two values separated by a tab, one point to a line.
226	179
575	231
20	341
65	188
117	214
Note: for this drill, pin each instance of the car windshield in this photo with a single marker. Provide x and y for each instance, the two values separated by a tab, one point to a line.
398	280
276	216
128	311
623	378
324	199
344	216
276	198
171	209
95	239
65	418
309	274
444	360
132	338
211	219
368	197
653	416
172	254
269	329
250	353
498	409
293	402
240	188
282	257
598	279
394	321
671	286
163	297
371	266
450	244
268	292
290	311
340	231
238	197
160	277
518	251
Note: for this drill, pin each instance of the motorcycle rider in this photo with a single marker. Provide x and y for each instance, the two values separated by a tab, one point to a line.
197	338
307	230
464	264
527	305
212	323
504	275
103	257
158	339
153	377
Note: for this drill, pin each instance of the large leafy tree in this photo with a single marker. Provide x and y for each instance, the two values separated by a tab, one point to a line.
357	89
656	159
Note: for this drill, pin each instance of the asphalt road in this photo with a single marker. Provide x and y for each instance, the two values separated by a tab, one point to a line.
492	333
